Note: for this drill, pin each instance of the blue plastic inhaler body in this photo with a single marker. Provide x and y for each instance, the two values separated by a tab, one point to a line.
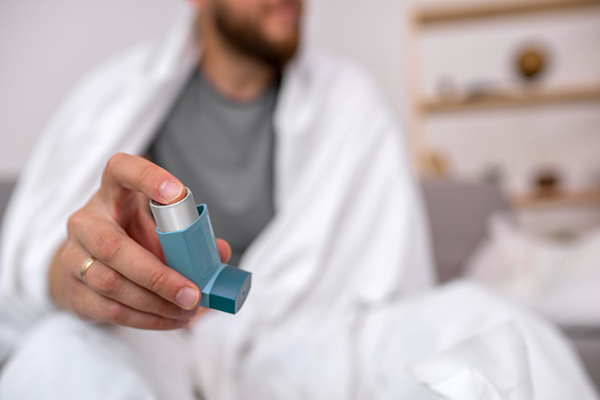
191	250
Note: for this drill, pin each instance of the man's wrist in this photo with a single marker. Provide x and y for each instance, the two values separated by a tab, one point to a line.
56	280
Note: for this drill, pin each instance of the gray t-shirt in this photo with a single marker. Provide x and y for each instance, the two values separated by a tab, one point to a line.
223	151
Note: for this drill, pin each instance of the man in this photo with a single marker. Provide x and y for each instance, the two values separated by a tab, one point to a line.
299	160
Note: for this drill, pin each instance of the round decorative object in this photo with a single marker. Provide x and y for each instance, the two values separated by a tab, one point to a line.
531	62
547	181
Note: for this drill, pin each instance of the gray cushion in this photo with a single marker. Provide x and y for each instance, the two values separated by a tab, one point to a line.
458	213
588	348
6	188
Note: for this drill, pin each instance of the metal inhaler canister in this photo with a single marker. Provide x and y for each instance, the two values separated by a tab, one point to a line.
188	242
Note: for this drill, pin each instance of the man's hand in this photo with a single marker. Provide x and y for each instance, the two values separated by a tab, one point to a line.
129	283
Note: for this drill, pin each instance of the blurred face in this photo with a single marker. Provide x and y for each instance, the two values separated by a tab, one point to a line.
267	30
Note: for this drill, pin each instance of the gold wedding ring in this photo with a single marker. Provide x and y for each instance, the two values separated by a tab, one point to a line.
85	267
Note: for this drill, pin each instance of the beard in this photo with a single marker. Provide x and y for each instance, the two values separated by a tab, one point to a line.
245	36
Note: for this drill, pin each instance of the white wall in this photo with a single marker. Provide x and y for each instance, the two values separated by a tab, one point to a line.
47	46
371	32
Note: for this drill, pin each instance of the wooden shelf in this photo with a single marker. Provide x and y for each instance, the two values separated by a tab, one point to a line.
470	11
584	197
513	98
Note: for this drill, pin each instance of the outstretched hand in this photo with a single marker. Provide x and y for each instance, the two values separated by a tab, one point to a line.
128	283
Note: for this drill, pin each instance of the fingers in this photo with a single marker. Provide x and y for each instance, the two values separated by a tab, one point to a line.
224	250
129	284
142	229
90	305
138	174
110	244
109	283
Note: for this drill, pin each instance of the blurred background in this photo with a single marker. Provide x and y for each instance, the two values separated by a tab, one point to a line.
499	101
488	91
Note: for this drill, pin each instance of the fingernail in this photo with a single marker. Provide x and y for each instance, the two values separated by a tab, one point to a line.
169	190
188	297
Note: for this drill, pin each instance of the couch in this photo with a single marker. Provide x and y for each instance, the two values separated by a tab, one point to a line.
458	212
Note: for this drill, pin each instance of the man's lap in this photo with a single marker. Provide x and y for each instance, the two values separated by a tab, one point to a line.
67	358
64	357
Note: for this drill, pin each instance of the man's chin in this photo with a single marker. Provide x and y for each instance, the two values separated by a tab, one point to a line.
284	43
272	44
281	53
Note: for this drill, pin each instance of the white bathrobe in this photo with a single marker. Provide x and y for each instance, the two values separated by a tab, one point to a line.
347	245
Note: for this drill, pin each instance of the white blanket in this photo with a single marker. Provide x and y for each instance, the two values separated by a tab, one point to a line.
560	280
459	341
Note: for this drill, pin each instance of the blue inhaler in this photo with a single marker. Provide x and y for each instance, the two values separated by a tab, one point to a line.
188	242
